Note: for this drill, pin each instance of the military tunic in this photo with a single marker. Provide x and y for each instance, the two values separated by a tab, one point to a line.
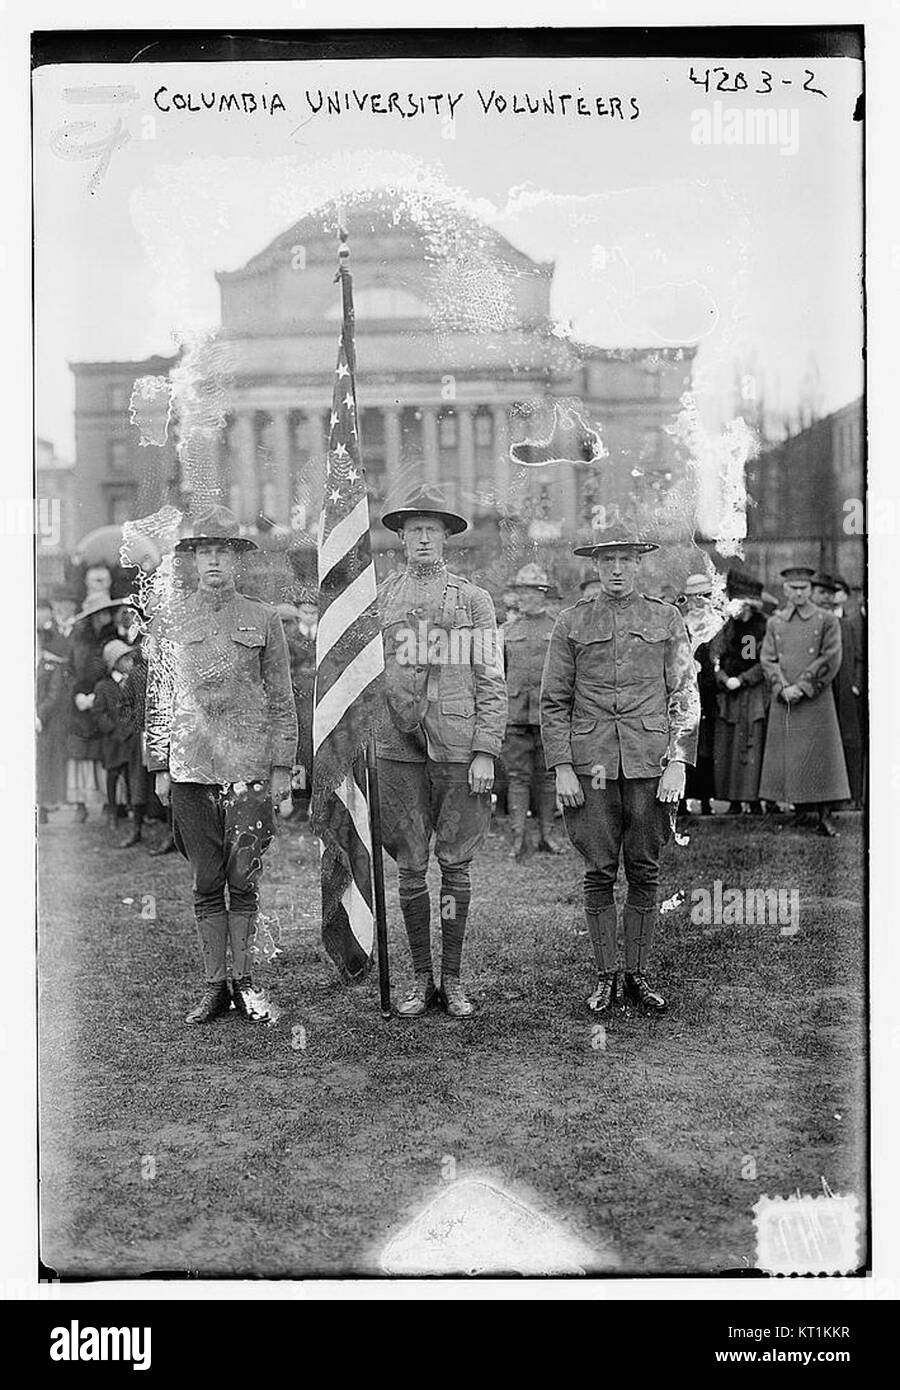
804	759
619	691
525	644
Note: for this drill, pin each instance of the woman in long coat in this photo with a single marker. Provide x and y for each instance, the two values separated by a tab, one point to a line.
742	699
801	655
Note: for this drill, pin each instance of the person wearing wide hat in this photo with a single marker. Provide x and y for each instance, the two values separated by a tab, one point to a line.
742	699
300	615
445	699
832	593
619	717
525	642
801	655
695	605
221	740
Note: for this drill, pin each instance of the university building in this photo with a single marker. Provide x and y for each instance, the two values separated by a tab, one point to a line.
457	357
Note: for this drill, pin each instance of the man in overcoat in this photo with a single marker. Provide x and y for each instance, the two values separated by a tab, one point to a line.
620	712
801	655
445	718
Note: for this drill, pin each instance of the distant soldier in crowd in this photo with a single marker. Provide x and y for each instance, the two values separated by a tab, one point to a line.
222	735
446	708
619	716
525	643
695	606
301	621
801	655
743	697
833	594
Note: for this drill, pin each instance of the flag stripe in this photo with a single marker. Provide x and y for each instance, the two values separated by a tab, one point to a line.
343	537
365	667
345	608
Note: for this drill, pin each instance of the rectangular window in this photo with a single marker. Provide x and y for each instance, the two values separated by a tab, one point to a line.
118	456
484	430
447	430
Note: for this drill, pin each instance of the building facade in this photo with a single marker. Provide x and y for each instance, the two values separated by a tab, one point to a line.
801	487
457	357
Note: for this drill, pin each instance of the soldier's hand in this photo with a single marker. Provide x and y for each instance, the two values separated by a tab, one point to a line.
280	785
481	773
568	787
791	694
163	787
671	784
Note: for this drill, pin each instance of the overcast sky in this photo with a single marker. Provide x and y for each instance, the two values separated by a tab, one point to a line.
660	230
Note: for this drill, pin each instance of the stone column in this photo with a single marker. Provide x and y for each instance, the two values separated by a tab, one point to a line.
430	451
245	471
466	427
281	449
501	454
392	447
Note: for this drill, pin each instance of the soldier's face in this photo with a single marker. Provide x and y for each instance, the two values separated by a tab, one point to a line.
309	615
797	591
423	539
215	566
617	571
823	597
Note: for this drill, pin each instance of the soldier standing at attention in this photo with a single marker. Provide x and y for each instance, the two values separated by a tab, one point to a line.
525	642
221	738
620	712
446	708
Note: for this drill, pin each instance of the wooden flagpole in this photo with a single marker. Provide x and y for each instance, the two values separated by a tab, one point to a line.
384	972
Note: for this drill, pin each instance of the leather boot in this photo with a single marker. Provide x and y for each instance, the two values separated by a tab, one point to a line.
166	846
639	990
215	1001
454	996
548	843
640	926
250	1000
422	996
606	992
133	838
602	931
518	802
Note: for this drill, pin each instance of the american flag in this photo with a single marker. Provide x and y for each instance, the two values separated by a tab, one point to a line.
349	677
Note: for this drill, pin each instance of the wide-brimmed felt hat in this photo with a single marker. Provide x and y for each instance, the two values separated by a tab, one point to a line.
622	535
96	603
218	525
697	585
532	577
425	501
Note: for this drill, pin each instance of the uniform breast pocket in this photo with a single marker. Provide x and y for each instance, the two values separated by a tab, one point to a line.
458	707
647	650
248	646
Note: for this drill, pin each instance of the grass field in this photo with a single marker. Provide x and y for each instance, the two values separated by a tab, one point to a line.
305	1146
